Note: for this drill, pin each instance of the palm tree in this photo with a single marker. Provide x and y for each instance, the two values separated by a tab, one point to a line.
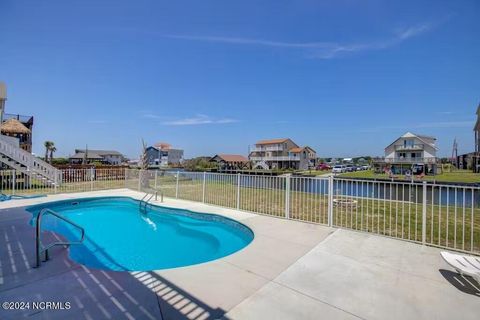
48	145
52	150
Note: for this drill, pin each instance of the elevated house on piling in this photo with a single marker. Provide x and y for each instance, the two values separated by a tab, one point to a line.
410	152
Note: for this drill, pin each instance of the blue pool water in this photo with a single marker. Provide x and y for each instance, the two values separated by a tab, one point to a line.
119	237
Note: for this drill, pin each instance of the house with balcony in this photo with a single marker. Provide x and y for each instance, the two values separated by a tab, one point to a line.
409	153
278	154
162	155
87	156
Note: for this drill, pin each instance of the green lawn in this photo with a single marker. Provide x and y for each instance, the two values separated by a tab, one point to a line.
314	172
454	176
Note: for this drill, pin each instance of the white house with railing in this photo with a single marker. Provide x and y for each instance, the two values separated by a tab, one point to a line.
412	148
410	152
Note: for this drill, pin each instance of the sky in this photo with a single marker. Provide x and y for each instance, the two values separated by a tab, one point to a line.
346	77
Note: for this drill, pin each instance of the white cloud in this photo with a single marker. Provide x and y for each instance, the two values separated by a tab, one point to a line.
253	41
414	31
151	116
322	50
199	120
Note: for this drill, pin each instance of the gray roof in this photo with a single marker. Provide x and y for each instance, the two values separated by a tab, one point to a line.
91	155
99	152
421	137
94	154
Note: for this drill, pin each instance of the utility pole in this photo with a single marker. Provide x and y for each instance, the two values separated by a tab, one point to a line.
3	98
455	153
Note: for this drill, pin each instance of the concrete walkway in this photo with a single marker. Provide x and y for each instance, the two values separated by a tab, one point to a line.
292	270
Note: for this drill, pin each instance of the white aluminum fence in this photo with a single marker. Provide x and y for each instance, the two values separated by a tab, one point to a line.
440	215
435	214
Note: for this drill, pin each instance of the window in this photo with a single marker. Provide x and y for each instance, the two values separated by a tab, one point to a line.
408	143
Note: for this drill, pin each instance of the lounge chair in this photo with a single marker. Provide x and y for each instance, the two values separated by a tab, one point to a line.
463	264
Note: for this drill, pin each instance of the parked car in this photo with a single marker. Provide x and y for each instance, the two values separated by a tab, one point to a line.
350	168
323	166
339	168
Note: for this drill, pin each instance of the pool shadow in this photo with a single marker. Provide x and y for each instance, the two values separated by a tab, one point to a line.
465	284
176	303
92	293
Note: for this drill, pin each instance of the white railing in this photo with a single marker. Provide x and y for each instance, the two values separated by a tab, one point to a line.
31	163
409	147
428	160
274	158
436	214
263	149
433	214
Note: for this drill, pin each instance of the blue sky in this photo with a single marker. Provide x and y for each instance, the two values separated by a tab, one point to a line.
345	77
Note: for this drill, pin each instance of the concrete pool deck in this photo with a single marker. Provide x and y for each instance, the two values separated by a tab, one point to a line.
292	270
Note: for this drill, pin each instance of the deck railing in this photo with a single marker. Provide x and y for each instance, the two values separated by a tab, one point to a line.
441	215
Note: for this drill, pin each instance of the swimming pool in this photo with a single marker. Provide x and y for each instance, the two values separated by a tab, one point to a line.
119	237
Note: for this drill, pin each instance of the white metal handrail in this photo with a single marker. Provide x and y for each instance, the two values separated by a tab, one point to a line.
32	163
145	203
38	242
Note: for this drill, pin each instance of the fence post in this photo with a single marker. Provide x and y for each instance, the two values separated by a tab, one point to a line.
14	180
155	183
330	201
92	173
203	187
424	213
125	176
238	191
139	180
55	183
176	187
287	196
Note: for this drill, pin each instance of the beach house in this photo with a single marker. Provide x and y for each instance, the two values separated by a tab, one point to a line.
281	154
